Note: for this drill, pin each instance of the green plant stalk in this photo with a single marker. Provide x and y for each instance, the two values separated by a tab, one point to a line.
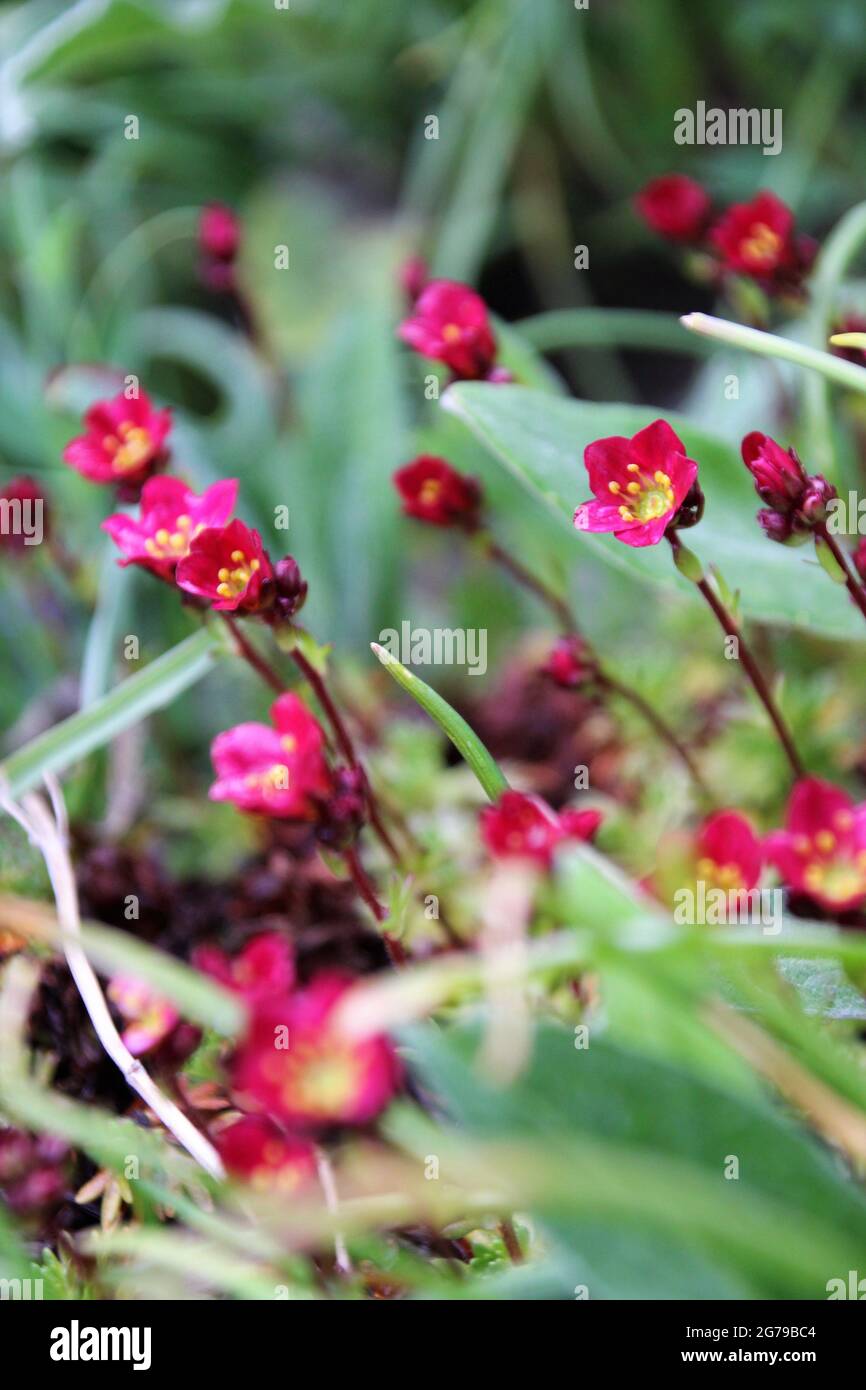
452	724
128	703
754	340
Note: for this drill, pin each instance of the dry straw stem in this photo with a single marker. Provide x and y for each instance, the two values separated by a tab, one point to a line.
838	1121
48	832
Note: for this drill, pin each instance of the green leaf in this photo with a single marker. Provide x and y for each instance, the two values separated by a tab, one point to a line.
541	440
452	724
156	685
633	1154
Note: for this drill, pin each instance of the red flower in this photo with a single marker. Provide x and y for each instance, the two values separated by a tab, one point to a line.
569	662
150	1018
24	516
228	565
525	827
674	206
449	323
639	484
278	771
219	232
264	968
295	1065
433	491
757	239
124	442
254	1149
822	850
729	853
259	1153
170	519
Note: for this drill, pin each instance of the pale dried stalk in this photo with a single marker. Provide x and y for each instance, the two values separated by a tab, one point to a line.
840	1122
506	912
332	1202
49	834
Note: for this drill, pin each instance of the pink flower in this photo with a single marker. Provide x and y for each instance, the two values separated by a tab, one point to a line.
729	853
569	662
297	1067
674	206
171	517
124	441
219	232
519	826
432	491
228	565
279	771
450	324
150	1018
822	850
256	1150
639	484
264	968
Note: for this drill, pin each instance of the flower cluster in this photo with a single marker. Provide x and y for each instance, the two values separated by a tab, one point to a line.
795	500
182	537
756	240
294	1073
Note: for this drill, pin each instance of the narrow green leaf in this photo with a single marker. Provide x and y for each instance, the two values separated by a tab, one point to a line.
467	743
99	723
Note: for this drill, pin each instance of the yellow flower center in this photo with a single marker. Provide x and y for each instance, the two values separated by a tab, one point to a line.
172	545
320	1082
762	244
645	498
130	447
276	779
430	491
726	876
452	332
233	582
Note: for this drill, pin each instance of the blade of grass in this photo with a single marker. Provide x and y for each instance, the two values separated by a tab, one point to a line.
452	724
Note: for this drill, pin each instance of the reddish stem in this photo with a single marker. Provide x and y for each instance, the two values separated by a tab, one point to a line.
854	588
750	666
341	734
250	655
367	891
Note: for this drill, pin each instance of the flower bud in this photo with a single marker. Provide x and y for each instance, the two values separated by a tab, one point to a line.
816	498
291	588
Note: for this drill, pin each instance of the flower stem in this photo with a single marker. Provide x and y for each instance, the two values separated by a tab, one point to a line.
664	731
252	657
855	589
367	891
770	345
557	605
753	671
344	740
563	614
